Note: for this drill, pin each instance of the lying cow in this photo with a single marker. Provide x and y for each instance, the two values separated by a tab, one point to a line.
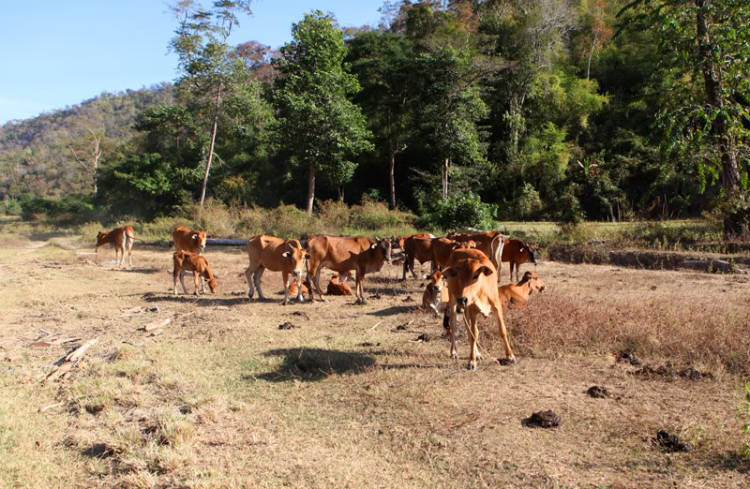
435	297
333	252
517	252
185	239
338	288
292	289
121	238
184	261
276	255
518	294
472	288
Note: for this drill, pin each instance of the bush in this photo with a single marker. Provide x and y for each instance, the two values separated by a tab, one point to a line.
372	216
72	208
11	208
459	211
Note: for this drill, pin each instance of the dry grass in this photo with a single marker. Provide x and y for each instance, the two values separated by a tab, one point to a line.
223	398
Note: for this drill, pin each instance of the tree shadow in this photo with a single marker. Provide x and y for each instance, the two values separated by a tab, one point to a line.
730	462
392	311
314	364
137	270
201	300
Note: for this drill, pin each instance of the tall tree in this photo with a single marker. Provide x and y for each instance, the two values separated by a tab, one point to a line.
705	81
318	123
206	58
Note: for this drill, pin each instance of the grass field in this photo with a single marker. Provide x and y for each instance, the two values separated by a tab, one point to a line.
223	398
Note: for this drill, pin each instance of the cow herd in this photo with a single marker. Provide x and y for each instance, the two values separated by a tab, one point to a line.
464	282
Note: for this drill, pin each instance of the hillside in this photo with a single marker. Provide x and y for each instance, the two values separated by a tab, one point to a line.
41	154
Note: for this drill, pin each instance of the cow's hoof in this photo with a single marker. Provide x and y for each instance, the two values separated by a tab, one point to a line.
472	366
285	303
507	361
479	357
454	356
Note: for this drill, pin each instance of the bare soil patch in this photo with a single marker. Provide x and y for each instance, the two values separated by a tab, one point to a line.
221	397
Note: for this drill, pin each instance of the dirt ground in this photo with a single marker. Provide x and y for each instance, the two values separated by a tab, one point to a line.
349	397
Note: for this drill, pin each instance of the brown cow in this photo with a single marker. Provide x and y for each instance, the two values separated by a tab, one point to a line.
334	252
185	239
518	294
443	247
292	289
419	249
276	255
338	288
184	261
517	253
121	238
371	260
401	239
435	297
472	288
491	244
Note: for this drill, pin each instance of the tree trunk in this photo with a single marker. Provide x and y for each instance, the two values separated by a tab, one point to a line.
392	175
730	175
214	127
446	167
340	189
591	55
97	154
311	189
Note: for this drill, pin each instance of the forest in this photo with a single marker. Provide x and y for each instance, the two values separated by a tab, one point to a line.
495	110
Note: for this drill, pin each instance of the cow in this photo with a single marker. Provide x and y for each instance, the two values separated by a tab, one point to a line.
401	239
292	289
417	249
334	252
371	260
121	238
338	288
517	253
276	255
185	239
518	294
184	261
491	244
442	249
435	296
472	290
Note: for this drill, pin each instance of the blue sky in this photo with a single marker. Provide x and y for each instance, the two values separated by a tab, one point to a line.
55	53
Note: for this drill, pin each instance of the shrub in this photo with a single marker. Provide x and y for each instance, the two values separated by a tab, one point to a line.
372	216
72	208
459	211
11	208
333	214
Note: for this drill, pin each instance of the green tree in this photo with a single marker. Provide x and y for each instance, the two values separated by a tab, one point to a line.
705	86
209	68
318	125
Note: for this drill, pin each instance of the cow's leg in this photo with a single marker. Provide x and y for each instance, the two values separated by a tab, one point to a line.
129	245
360	288
317	285
472	329
285	278
182	281
249	271
175	275
512	266
298	278
450	312
195	280
498	310
406	266
257	278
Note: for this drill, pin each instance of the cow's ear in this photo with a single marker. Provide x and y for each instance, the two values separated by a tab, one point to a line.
482	271
449	272
286	254
374	246
521	250
195	237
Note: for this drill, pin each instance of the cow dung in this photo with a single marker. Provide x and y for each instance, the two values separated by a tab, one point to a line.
301	314
542	419
626	356
671	443
597	392
286	325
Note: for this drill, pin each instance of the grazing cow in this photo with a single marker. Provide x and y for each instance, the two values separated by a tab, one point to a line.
491	244
472	288
336	253
184	261
371	260
276	255
518	294
517	253
435	297
185	239
121	238
419	249
442	249
338	288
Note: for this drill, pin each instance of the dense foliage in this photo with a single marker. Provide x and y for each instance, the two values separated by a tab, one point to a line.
461	110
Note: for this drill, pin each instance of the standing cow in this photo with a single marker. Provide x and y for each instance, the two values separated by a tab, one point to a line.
335	253
185	239
276	255
121	238
517	252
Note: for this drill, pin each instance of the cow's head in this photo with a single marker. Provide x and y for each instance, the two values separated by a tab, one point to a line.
536	284
385	246
212	284
296	256
529	251
199	238
100	238
464	281
436	279
398	242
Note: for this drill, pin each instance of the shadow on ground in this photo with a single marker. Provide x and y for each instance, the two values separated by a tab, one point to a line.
198	300
313	364
392	311
138	270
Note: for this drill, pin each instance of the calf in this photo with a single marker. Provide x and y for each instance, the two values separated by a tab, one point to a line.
338	288
417	249
435	297
184	261
292	289
517	253
371	260
472	290
185	239
121	238
276	255
336	253
518	294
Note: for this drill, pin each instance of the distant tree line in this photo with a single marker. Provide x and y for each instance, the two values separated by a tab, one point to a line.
516	109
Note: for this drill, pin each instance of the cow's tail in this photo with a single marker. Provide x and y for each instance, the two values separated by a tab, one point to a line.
497	255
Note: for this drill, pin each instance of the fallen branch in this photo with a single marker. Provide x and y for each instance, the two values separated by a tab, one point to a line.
52	340
156	325
51	406
66	363
376	325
